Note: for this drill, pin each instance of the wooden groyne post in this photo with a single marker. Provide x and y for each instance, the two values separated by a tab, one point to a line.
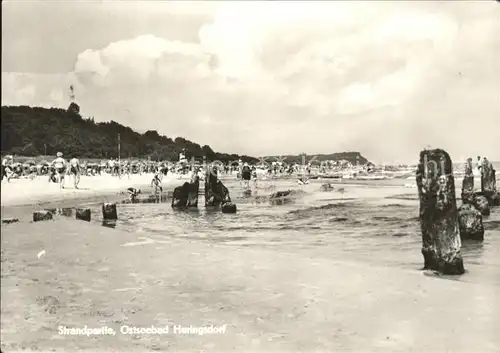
468	183
438	213
109	211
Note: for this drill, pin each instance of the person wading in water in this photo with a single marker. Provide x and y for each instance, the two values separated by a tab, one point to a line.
246	175
156	184
254	176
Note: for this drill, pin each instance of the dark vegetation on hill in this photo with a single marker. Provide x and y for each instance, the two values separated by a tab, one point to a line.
37	131
28	131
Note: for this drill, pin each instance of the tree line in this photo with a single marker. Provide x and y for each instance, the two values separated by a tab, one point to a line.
34	131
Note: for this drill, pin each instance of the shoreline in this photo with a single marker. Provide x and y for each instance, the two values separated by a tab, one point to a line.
24	196
26	192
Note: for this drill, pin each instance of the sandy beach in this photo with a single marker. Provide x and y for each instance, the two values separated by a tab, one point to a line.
25	192
269	302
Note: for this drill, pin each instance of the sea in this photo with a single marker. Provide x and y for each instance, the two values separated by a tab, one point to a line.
370	222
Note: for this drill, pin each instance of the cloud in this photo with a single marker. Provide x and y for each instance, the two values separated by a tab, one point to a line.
278	77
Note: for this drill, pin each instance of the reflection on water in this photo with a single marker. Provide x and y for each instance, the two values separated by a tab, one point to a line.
472	252
370	224
109	223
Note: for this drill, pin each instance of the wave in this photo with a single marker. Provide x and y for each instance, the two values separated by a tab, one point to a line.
330	206
339	219
403	197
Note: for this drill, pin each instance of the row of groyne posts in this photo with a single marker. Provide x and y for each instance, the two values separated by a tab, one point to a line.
443	224
183	197
216	193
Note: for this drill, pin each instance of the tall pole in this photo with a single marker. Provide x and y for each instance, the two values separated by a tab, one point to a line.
119	162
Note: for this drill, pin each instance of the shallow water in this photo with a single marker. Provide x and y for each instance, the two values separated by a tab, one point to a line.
375	223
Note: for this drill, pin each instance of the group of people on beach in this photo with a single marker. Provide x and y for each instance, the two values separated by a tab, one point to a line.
7	167
61	168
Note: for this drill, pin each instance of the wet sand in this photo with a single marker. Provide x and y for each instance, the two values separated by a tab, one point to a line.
270	301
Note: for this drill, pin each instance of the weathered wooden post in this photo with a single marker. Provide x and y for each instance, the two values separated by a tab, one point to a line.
470	222
10	220
66	211
438	213
216	193
44	215
83	214
482	204
186	195
212	198
488	181
193	192
468	183
109	211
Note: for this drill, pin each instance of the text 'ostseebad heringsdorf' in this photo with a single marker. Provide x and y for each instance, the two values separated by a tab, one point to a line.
142	330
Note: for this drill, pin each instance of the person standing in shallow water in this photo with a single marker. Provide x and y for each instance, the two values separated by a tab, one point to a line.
246	175
254	176
156	184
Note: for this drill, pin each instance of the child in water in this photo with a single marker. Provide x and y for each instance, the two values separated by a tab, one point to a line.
156	184
254	176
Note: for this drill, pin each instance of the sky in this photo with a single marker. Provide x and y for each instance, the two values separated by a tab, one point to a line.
386	79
